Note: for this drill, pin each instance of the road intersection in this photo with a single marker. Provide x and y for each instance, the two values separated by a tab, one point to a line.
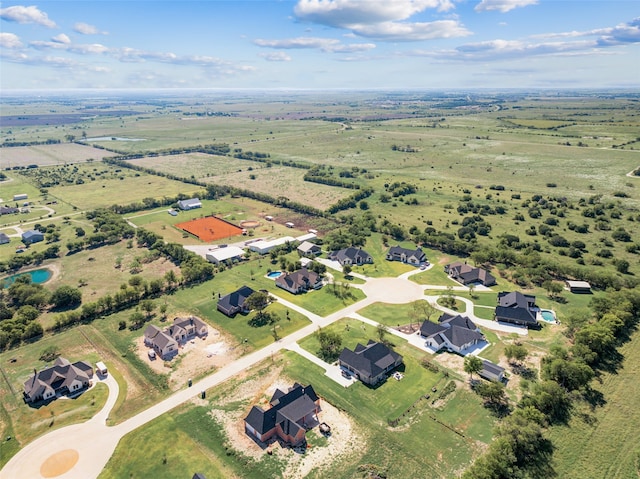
95	442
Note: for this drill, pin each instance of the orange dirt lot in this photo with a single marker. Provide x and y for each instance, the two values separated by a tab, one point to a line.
210	228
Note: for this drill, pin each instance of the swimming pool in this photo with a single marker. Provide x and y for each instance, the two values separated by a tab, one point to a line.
38	276
274	274
548	316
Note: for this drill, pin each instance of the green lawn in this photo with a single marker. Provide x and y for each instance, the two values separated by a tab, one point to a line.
605	442
392	315
25	423
391	449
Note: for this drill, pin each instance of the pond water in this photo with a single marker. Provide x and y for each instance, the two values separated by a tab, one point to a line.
38	276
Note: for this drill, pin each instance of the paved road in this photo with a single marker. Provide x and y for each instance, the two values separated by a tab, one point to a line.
95	441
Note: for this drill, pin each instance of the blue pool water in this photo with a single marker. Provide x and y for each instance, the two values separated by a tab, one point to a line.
274	274
38	276
548	315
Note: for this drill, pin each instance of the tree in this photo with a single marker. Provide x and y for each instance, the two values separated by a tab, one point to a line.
492	392
147	306
258	301
66	297
472	365
382	331
346	270
421	310
516	353
553	288
330	345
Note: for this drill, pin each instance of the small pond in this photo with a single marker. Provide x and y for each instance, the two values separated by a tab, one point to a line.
38	276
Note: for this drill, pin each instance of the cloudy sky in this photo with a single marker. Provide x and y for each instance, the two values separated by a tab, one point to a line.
320	44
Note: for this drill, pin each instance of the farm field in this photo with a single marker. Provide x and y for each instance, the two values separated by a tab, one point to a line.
534	188
47	155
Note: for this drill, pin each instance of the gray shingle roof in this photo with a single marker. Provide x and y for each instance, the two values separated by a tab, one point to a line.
372	359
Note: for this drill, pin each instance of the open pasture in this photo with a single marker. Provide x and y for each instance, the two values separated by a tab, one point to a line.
125	189
45	155
198	165
210	228
283	181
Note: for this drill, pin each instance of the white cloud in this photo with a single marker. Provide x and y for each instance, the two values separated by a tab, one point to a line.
21	14
342	13
381	20
59	44
86	29
394	31
10	40
324	44
502	6
276	57
62	38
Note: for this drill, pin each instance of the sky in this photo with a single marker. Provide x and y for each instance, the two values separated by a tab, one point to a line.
319	44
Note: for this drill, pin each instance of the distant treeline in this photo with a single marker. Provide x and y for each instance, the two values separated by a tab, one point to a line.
50	141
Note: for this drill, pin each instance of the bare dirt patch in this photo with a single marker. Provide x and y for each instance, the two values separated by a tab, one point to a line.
257	390
196	357
210	228
59	463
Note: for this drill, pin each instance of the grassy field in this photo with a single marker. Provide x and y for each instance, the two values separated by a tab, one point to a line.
24	423
46	155
604	442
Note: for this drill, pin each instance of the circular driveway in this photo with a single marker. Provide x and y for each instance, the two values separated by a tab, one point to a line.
393	290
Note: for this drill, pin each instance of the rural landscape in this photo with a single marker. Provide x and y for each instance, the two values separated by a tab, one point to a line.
406	284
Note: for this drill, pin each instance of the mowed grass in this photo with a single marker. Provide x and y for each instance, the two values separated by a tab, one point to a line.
170	445
200	165
45	155
393	449
25	423
605	442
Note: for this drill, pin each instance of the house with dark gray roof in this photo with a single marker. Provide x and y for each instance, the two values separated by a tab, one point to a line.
233	303
405	255
164	345
8	210
4	239
370	363
288	418
351	256
467	274
453	332
32	236
60	379
516	308
189	204
299	281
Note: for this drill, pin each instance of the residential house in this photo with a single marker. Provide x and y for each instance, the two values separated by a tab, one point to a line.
299	281
517	308
309	249
351	256
455	333
164	345
579	287
288	418
8	210
491	371
190	204
221	255
370	363
467	274
61	378
233	303
32	236
4	239
167	342
404	255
